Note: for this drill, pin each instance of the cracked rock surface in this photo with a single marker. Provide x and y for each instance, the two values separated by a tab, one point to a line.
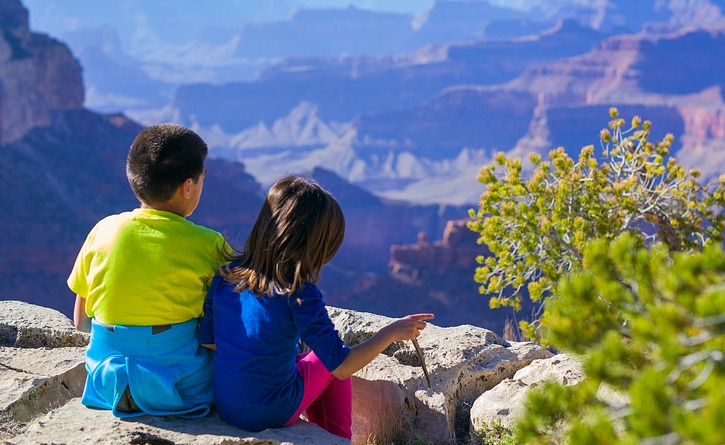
391	399
42	376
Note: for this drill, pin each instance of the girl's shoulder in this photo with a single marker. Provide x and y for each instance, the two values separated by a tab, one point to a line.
231	265
308	292
224	272
221	282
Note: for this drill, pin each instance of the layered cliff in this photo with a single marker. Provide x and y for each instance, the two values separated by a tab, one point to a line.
412	126
39	76
63	167
639	69
672	78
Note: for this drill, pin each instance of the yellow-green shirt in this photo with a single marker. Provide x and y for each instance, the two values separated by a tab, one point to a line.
145	268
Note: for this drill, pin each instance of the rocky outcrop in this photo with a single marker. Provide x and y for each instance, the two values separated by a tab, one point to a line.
74	423
38	76
42	375
504	403
42	381
392	401
457	250
429	275
41	363
27	326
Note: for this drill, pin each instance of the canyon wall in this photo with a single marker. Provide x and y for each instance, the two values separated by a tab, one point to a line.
39	76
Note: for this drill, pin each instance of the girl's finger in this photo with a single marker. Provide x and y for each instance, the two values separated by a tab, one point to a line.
421	317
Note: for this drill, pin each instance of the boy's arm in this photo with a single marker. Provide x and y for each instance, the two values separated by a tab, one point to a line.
205	329
80	319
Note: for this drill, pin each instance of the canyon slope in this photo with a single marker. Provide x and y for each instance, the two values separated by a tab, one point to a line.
397	138
63	167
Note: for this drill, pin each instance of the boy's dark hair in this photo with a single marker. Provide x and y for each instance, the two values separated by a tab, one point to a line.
298	230
161	158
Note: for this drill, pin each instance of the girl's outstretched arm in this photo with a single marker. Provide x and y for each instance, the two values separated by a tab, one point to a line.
405	328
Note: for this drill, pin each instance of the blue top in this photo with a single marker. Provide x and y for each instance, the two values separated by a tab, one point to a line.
256	384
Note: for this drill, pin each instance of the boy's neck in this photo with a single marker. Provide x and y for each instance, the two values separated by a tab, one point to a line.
166	207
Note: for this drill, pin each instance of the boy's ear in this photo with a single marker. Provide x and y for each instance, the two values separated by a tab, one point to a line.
187	188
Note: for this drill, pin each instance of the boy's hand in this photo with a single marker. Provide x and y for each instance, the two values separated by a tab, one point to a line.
408	327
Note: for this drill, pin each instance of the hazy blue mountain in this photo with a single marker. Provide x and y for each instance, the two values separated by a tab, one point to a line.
430	114
693	62
114	80
347	87
412	127
456	21
326	32
135	52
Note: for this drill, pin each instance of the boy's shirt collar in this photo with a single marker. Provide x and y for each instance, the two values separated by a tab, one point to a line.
158	214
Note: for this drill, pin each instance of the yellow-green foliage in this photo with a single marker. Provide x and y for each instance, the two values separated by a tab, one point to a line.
649	324
495	433
536	227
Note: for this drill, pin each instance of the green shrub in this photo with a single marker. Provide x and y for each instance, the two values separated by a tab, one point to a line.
536	228
649	325
495	433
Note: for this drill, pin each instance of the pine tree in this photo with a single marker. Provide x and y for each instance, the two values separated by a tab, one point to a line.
536	228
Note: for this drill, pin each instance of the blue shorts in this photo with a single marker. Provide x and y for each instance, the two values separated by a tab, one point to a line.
165	370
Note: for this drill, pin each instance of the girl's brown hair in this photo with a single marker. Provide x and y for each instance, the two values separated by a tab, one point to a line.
299	229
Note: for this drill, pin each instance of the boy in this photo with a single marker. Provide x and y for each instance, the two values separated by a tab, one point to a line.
140	280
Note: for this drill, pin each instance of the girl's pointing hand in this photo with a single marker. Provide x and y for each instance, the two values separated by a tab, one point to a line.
408	327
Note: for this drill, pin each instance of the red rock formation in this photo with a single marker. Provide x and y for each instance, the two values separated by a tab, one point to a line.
587	79
423	277
704	122
674	79
457	250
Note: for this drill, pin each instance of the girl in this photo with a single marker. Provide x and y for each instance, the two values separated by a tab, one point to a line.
266	300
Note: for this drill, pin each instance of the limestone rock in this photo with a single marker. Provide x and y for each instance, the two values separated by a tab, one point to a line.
14	18
391	402
24	325
561	368
457	249
41	383
505	401
391	399
34	381
74	423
